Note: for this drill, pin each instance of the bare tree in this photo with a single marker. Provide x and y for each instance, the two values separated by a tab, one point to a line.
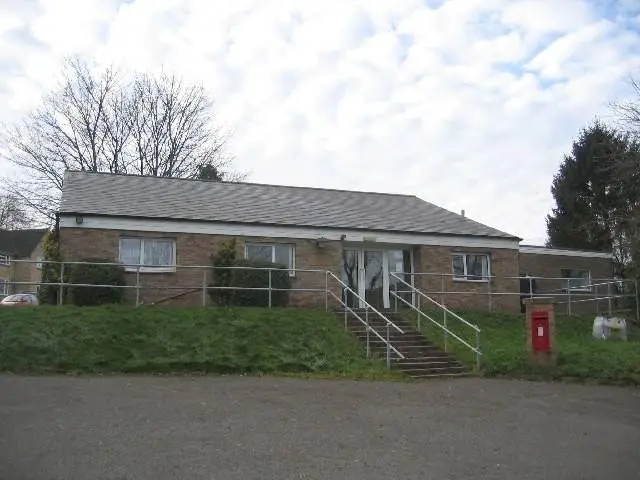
13	215
628	112
98	122
173	130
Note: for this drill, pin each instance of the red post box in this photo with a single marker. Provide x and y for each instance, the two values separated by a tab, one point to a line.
541	343
540	338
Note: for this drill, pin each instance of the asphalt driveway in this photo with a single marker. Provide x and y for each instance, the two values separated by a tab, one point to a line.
265	428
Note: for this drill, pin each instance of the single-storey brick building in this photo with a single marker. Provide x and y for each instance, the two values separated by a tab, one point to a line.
361	237
584	276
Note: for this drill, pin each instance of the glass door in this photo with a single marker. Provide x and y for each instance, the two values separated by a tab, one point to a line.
400	265
350	276
367	273
374	278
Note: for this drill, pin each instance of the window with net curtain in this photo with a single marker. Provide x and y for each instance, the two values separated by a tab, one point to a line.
471	267
153	254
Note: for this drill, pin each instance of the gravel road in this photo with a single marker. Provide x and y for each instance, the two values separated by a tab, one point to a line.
245	428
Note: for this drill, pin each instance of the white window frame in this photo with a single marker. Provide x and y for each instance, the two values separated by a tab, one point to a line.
465	277
5	259
167	269
292	253
567	284
4	287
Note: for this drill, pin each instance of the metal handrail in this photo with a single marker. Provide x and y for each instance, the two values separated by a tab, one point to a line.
366	304
422	294
445	310
142	265
204	287
510	277
442	327
369	328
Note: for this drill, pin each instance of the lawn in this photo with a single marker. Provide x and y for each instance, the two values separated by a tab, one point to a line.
580	356
171	340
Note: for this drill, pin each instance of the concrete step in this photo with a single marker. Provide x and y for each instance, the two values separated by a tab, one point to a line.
400	340
431	370
422	359
411	350
439	375
432	362
428	359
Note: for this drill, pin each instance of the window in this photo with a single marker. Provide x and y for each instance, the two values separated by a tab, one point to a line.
576	279
154	254
471	267
39	264
276	253
4	287
4	259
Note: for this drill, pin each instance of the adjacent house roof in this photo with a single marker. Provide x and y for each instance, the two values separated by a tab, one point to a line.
178	199
20	243
565	252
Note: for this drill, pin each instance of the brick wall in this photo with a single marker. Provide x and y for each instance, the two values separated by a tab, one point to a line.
28	272
550	266
5	275
464	294
196	249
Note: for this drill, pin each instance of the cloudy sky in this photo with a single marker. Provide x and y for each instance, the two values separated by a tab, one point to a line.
468	104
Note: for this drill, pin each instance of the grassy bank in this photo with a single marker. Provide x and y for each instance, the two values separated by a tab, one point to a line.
167	340
580	356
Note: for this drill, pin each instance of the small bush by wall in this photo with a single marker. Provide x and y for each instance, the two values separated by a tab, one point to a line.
251	277
221	275
98	273
254	278
49	294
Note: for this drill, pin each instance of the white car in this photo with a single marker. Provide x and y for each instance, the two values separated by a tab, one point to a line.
19	300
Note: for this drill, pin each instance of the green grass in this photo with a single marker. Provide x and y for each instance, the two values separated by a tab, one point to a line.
580	356
177	340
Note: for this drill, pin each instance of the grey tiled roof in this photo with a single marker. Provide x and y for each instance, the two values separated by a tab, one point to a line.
20	243
167	198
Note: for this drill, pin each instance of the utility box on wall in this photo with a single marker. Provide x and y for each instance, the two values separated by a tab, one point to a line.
541	345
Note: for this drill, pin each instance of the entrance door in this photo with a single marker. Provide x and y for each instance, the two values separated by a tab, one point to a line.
374	278
400	265
366	272
351	276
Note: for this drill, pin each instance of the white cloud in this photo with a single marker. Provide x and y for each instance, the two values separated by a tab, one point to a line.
545	17
467	103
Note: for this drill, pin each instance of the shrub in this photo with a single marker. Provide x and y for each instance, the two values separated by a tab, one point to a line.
49	294
260	279
224	257
96	272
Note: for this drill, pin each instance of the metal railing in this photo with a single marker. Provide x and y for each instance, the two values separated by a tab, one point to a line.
139	272
598	295
341	299
420	298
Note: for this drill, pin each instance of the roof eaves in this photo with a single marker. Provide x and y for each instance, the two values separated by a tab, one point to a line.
269	224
